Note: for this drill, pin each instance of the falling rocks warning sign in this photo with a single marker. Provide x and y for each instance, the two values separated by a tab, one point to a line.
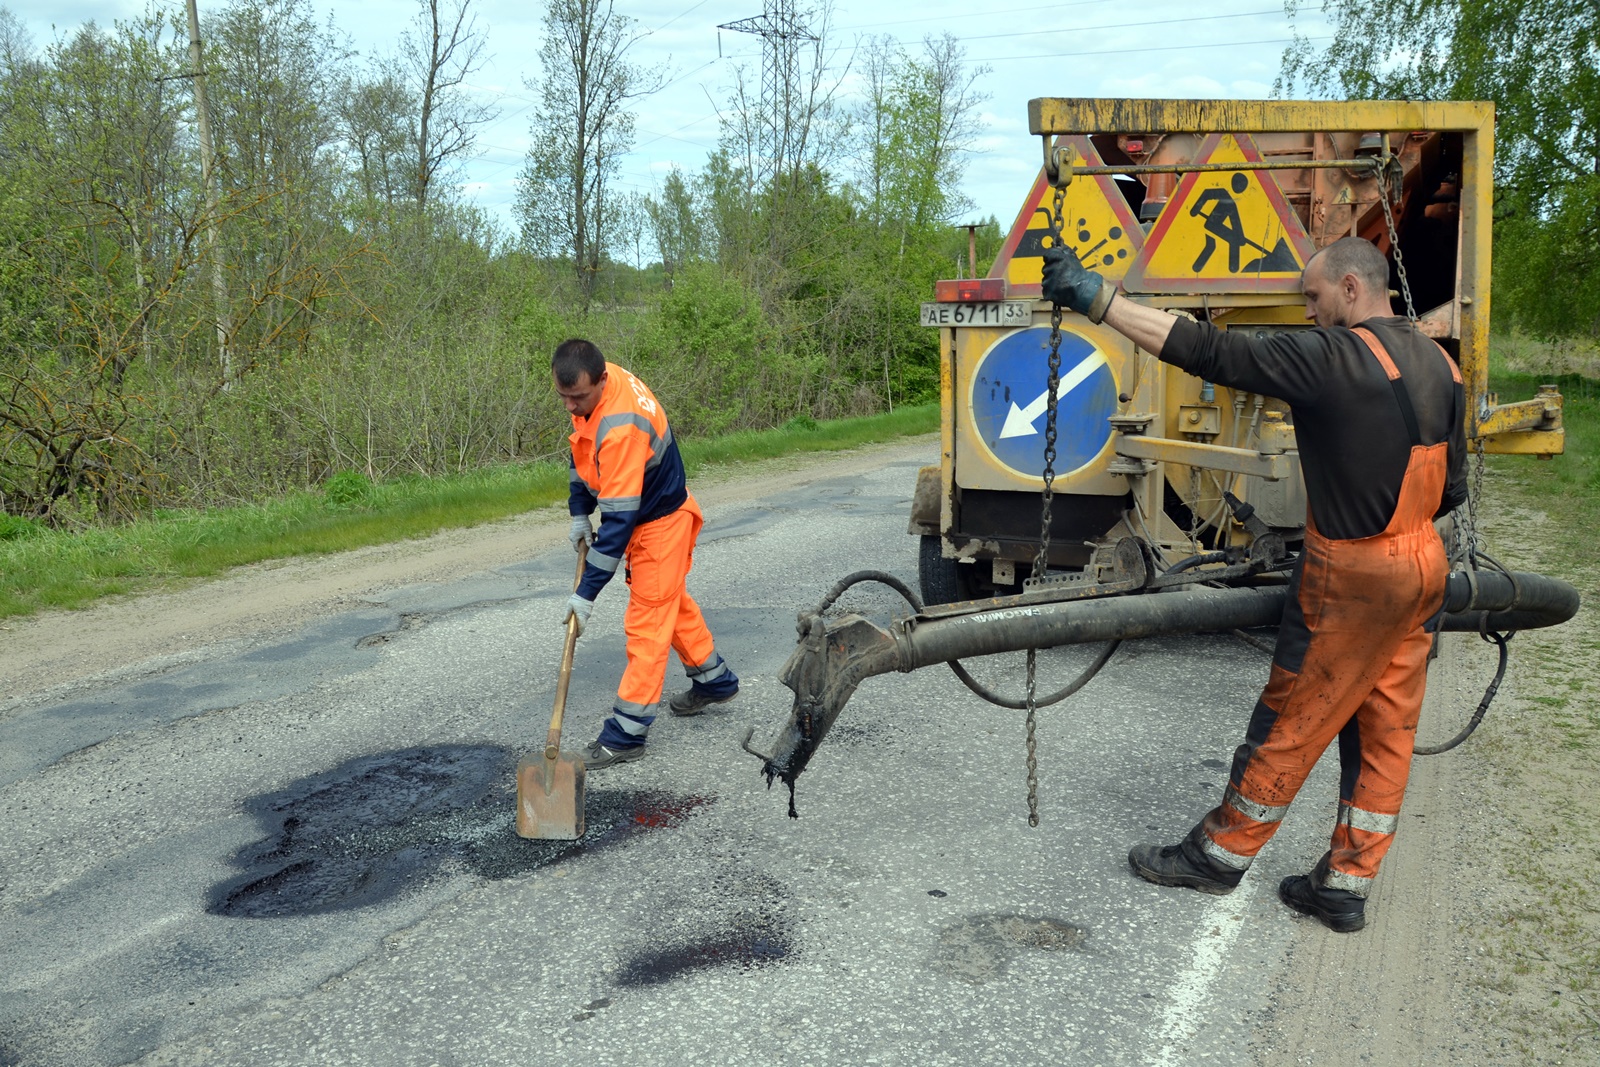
1097	223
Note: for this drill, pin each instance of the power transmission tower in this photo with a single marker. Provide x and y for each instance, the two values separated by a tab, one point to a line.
781	30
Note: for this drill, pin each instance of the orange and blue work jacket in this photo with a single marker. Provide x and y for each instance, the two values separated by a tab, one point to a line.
624	461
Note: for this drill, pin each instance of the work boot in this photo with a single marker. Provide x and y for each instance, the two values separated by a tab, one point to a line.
694	700
1184	865
596	755
1338	909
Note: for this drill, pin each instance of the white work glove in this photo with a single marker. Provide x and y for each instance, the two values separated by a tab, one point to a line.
579	608
581	533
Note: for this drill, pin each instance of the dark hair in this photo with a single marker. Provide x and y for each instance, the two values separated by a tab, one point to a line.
1354	255
574	358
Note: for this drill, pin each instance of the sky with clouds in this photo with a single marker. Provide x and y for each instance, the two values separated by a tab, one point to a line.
1111	48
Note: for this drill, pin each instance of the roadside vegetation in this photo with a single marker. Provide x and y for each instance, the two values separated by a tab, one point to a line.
43	568
1540	749
309	299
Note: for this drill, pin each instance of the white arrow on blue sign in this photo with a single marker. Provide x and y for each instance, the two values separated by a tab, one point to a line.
1010	392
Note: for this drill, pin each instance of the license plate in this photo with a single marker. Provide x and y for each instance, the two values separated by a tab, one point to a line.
995	313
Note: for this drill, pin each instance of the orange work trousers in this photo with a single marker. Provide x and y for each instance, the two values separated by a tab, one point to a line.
1350	662
661	614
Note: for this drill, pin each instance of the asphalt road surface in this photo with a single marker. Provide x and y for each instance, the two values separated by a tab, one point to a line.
300	851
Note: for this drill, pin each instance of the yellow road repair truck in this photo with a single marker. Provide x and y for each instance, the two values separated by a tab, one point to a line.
1207	208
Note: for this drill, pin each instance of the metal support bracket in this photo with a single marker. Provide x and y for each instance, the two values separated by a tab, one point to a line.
1210	457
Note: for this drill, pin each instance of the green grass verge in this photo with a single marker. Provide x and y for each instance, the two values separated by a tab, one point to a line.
42	569
1566	487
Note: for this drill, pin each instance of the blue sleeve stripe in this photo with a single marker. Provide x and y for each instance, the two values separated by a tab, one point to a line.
580	498
602	562
610	504
658	449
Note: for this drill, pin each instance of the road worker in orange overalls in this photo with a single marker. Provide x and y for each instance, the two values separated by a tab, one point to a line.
626	464
1378	415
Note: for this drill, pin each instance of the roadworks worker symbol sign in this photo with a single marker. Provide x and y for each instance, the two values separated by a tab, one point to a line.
1010	391
1096	222
1223	231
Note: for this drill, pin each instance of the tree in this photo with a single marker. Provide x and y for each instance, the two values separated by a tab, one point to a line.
675	224
918	121
580	130
377	117
1539	61
443	50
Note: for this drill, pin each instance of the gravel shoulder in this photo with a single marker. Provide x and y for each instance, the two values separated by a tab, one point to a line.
154	631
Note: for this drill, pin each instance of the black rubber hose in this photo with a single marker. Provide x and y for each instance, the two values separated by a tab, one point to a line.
884	578
1483	705
1039	702
1196	561
858	577
1506	601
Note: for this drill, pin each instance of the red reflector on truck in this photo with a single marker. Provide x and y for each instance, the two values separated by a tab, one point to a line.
968	290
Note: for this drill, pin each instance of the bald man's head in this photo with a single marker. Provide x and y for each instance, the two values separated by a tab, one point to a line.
1345	283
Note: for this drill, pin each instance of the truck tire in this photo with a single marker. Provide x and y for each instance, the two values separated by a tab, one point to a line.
943	581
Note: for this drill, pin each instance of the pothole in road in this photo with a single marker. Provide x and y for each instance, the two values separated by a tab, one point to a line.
979	947
409	620
377	826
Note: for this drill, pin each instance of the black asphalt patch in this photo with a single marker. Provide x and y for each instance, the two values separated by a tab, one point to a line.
377	826
746	943
741	918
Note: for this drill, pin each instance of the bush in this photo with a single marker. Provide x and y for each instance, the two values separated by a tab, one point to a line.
347	489
16	528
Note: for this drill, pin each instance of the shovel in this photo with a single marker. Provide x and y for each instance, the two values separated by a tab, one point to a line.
550	785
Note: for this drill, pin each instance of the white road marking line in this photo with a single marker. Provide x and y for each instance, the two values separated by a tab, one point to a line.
1192	991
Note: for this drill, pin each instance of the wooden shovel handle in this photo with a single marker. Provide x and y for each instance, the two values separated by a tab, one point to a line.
552	741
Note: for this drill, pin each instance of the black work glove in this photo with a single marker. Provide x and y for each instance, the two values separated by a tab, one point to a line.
1068	283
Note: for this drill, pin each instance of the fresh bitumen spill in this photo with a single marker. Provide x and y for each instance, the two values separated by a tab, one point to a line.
378	825
755	931
747	942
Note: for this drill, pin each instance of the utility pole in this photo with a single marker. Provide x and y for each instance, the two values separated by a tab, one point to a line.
219	287
781	31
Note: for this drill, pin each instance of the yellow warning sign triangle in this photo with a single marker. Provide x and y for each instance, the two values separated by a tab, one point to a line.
1223	231
1097	223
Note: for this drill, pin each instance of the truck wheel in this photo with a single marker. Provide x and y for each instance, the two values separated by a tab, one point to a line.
943	581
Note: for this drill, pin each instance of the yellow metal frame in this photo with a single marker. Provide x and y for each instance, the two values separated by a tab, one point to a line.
1502	428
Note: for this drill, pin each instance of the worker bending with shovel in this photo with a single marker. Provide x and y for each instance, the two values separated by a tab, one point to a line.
625	462
1378	412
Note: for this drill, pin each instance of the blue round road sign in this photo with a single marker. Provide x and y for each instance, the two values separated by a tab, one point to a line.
1009	393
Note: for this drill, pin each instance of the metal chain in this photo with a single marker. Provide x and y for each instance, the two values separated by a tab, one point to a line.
1041	560
1475	493
1394	243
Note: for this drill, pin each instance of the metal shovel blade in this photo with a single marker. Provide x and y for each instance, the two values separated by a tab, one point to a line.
550	797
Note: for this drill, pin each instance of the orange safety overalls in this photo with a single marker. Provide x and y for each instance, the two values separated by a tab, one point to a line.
625	460
1350	662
